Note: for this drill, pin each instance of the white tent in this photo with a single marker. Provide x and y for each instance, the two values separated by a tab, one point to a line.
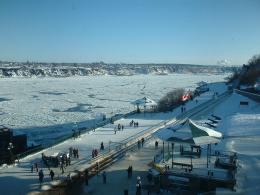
144	102
192	133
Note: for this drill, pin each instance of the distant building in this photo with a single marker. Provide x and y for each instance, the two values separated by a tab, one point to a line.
11	145
202	87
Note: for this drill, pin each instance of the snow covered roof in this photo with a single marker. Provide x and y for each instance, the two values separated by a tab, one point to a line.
201	131
144	102
190	134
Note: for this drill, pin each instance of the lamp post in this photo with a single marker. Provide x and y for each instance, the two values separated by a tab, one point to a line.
208	156
172	153
163	151
109	142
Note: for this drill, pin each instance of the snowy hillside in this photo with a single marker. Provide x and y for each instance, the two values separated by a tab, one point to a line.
16	69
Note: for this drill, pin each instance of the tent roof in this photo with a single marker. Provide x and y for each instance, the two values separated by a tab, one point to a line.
190	134
144	102
200	131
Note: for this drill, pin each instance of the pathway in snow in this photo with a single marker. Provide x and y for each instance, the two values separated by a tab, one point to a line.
117	180
18	178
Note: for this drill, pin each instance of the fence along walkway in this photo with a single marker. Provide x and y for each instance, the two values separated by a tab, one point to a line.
130	142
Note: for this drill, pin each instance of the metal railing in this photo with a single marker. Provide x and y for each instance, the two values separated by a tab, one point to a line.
70	136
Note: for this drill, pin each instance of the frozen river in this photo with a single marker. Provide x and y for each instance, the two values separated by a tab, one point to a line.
46	108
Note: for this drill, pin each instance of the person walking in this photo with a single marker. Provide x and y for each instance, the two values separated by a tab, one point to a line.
142	142
138	144
156	144
104	175
31	168
131	171
102	146
41	176
128	172
52	174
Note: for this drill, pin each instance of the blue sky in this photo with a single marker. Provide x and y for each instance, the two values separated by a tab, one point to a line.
130	31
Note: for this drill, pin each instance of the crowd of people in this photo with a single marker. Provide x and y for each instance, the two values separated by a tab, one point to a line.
133	123
64	160
119	127
94	153
74	152
76	134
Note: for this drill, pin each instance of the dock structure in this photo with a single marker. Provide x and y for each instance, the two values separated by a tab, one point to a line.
192	172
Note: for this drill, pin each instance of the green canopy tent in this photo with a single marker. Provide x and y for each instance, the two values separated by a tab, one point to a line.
195	135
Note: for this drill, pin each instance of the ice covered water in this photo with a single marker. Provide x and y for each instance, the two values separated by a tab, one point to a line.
46	108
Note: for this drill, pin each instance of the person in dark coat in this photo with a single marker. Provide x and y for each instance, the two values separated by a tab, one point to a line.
142	142
128	172
156	144
138	144
102	146
52	174
41	176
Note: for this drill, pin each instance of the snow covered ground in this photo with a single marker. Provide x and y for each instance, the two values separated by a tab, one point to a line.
19	178
47	108
240	127
239	124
